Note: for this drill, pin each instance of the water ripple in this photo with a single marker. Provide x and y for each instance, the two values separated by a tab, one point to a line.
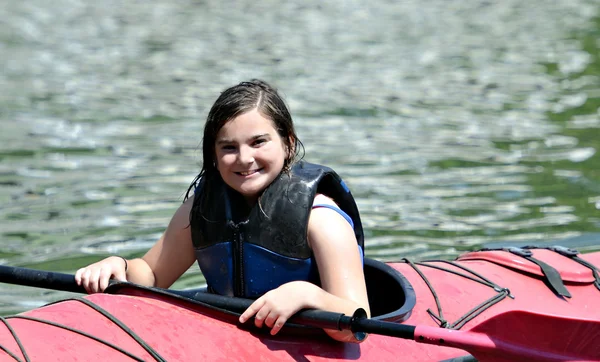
456	124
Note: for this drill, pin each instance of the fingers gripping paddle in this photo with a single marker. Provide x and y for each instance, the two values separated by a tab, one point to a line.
510	336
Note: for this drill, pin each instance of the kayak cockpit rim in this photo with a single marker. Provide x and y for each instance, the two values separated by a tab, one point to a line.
391	296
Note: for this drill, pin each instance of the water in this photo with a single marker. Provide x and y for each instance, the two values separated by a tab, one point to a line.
456	124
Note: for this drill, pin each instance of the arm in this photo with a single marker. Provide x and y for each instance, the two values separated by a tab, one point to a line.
343	289
173	254
166	261
336	251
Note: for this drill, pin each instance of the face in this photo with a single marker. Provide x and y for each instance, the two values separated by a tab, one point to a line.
250	154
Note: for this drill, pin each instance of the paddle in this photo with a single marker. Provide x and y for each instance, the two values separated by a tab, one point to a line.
39	279
513	335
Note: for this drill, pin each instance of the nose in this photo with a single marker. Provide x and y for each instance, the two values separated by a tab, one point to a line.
246	155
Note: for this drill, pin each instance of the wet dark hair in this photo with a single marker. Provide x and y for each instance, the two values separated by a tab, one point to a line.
235	101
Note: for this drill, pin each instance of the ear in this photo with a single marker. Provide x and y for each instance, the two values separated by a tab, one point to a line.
291	149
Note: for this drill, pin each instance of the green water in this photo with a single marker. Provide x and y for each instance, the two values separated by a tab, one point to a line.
456	124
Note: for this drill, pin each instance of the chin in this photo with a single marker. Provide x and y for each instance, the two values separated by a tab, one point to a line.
244	190
252	189
249	192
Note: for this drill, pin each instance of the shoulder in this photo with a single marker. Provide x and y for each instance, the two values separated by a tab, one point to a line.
328	222
321	199
182	215
324	211
325	206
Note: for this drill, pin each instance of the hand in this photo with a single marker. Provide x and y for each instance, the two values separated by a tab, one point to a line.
95	277
275	307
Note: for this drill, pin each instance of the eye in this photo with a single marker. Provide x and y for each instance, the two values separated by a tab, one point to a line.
228	148
259	142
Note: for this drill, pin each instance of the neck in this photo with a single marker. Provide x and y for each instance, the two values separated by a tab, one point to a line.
251	201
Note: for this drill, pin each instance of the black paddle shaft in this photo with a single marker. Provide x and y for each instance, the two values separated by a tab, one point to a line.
357	323
39	279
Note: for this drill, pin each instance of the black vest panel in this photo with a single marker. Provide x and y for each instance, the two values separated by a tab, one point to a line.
277	224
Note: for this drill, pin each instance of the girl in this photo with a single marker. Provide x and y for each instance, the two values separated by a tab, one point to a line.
260	224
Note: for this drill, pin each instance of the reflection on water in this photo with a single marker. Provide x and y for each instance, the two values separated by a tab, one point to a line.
456	124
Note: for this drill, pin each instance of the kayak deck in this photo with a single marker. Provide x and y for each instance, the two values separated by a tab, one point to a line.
146	324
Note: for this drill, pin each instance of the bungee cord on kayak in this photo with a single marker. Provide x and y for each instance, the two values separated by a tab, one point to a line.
16	339
574	255
443	323
98	309
551	275
79	332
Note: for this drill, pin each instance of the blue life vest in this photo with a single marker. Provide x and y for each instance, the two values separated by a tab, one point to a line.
248	253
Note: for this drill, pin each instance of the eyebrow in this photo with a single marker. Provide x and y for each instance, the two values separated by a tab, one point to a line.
226	140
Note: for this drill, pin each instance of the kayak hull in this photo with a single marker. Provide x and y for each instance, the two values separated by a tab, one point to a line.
141	324
179	334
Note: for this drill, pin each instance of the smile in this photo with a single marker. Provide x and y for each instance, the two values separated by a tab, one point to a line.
248	173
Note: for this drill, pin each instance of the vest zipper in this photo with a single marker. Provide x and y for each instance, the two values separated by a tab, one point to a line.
238	257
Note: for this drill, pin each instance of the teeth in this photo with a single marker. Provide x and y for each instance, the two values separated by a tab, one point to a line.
247	173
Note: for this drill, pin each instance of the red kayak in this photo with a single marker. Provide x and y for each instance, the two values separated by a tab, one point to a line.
497	305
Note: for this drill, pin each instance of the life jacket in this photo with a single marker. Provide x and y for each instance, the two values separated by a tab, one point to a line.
267	247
